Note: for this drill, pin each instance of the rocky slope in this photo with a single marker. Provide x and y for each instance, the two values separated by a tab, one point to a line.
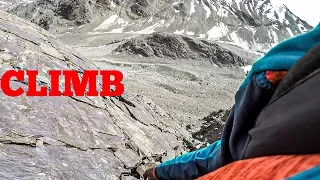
251	24
165	45
73	137
212	127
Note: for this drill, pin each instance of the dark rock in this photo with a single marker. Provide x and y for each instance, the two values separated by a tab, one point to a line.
211	127
165	45
138	9
55	14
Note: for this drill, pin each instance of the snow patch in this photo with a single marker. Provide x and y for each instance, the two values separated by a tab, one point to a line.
193	8
248	7
151	29
113	20
202	36
275	37
236	1
281	11
271	16
269	34
179	32
150	20
218	31
222	13
190	33
286	22
121	21
3	2
27	1
290	32
118	30
108	22
175	3
260	3
252	29
246	69
206	8
140	22
176	11
113	4
251	50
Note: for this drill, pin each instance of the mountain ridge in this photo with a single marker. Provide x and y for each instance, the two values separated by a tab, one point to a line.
252	24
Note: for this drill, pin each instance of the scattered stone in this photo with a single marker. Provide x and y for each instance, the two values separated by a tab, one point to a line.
142	168
127	177
211	128
39	143
128	157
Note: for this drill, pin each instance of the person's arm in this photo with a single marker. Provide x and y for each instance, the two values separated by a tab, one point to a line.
249	101
190	165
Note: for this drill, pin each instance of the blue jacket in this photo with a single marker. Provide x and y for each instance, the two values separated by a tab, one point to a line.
253	95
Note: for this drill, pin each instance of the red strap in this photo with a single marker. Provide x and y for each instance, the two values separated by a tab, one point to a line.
154	174
275	76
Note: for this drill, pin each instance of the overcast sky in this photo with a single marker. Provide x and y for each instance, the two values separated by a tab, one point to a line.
307	10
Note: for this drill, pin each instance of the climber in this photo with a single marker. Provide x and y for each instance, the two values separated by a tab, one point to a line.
276	112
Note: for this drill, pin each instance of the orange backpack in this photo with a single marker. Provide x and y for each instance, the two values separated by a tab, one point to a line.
265	168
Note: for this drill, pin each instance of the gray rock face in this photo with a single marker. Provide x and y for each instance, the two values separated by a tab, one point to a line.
54	14
9	4
72	137
57	162
234	21
180	47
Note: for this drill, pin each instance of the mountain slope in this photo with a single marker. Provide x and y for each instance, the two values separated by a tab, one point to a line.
251	24
171	46
73	137
9	4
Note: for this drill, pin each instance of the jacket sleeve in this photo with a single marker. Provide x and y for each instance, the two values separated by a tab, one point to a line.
249	101
190	165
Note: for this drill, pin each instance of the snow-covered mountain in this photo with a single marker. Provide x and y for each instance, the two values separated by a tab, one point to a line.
251	24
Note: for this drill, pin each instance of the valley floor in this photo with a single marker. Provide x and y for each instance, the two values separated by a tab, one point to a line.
187	89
